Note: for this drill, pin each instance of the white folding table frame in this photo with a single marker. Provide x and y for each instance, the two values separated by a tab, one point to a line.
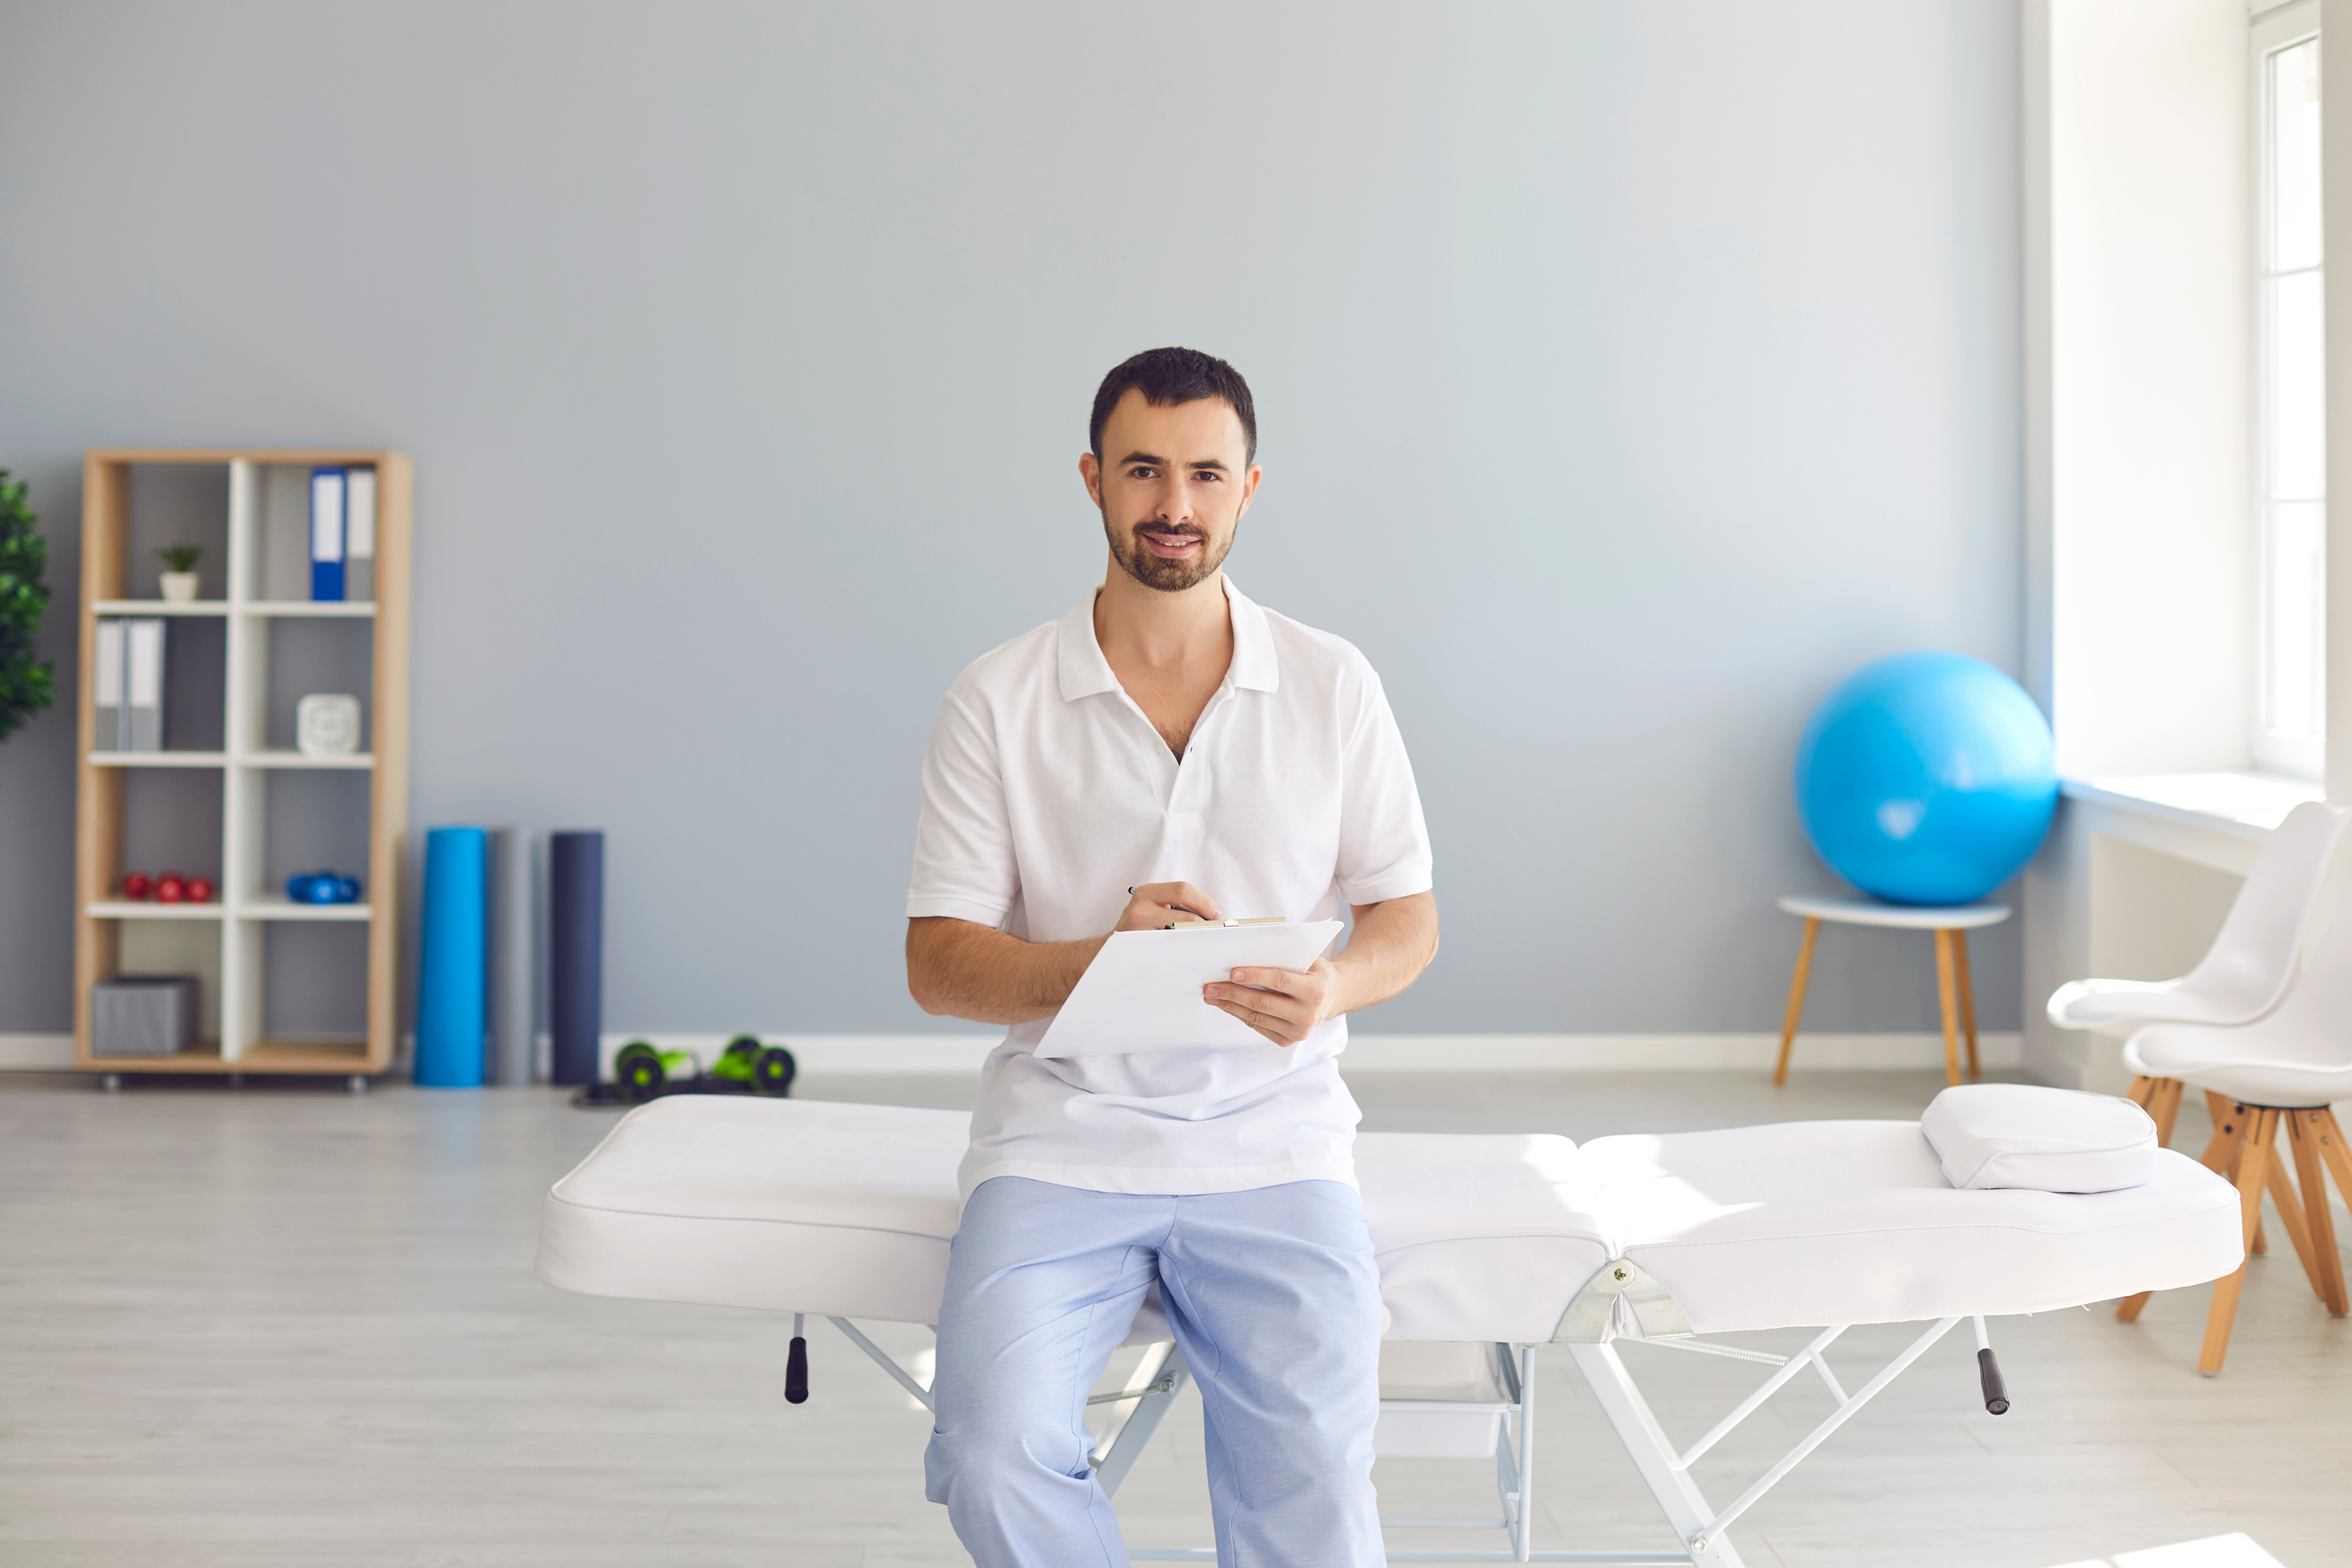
1700	1526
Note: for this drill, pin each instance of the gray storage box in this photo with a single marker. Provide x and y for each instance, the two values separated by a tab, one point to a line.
143	1016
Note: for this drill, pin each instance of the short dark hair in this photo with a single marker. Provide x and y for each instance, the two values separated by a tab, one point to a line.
1167	376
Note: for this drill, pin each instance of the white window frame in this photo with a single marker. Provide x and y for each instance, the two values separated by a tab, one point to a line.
2275	27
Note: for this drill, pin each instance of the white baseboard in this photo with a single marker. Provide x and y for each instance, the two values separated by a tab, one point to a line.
901	1054
1659	1053
36	1053
895	1054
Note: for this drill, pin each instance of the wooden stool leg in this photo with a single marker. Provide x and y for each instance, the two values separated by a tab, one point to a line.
2303	1131
2216	1157
2142	1092
2253	1168
2291	1215
2330	1139
1968	1000
1796	998
2221	1155
1944	987
2166	1109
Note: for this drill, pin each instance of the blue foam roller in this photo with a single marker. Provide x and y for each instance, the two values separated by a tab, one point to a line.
453	979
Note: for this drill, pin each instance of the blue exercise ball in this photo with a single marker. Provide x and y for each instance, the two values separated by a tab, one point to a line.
1926	778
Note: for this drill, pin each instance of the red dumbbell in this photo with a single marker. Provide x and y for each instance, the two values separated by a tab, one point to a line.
171	889
200	890
137	885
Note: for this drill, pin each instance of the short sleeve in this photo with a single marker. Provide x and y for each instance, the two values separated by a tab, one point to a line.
1383	842
964	866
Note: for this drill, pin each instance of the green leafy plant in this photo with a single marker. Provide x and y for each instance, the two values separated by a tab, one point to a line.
27	685
180	557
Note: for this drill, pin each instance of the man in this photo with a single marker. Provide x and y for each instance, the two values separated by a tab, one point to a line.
1168	749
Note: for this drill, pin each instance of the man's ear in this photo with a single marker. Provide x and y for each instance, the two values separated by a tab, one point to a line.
1249	490
1090	470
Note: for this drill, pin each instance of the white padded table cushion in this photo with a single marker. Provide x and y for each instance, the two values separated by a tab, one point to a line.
1851	1222
1993	1135
846	1210
792	1206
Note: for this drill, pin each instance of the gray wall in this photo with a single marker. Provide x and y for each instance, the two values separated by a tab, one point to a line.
1628	373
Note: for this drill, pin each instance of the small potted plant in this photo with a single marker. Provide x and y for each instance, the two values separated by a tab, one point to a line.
179	577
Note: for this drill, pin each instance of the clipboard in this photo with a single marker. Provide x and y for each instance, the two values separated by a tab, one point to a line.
1142	992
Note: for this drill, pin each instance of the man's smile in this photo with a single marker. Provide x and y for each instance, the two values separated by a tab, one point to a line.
1169	543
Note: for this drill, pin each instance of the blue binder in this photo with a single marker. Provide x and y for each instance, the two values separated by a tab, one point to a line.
327	534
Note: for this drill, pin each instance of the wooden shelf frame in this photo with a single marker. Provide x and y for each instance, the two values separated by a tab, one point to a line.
247	763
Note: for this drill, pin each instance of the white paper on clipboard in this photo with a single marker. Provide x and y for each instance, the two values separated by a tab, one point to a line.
1142	992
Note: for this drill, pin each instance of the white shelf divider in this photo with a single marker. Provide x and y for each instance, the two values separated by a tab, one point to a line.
311	609
358	762
274	906
158	759
148	909
160	608
244	830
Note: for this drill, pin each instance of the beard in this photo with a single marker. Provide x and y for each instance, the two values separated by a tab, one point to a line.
1135	558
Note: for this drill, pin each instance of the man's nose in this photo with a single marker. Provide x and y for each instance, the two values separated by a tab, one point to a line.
1176	502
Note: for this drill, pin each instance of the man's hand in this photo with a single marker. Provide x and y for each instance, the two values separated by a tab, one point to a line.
1283	1007
1155	906
1393	942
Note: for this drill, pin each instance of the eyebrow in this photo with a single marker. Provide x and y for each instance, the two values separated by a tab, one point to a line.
1162	462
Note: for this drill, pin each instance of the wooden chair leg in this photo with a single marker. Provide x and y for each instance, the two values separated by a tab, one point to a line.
2253	1167
1968	1000
2127	1311
2281	1184
2221	1155
2303	1131
2142	1092
2330	1139
1944	982
2216	1157
1796	998
2166	1109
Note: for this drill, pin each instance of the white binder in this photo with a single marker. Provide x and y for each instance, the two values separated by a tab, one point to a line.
106	681
142	659
1142	992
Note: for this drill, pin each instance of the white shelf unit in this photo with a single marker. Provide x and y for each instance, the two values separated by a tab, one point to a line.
250	908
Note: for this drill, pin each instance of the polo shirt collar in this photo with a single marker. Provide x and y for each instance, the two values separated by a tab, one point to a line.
1085	671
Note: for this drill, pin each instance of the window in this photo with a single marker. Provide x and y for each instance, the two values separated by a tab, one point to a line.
2290	417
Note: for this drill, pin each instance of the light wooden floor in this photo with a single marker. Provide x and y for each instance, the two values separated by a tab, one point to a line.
280	1326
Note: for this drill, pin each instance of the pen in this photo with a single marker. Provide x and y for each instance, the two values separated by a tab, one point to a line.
1187	908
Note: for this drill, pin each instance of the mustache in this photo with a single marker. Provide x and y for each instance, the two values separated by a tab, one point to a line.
1183	530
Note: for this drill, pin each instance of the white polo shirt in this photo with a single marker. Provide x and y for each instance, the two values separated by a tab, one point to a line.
1048	794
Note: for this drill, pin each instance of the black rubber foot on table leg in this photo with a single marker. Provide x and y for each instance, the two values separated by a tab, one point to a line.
1996	1394
796	1372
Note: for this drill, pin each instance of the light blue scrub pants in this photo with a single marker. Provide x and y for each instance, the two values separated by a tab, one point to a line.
1276	1306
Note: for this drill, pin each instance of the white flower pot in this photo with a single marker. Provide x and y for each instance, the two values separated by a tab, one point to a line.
179	587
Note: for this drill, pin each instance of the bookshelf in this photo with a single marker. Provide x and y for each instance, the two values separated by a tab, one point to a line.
288	987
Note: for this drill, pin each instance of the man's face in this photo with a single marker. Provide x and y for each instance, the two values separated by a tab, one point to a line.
1172	484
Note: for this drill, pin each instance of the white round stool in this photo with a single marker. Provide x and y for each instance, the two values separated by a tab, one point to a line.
1951	926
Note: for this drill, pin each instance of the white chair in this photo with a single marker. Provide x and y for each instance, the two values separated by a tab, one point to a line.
2282	1071
2254	958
